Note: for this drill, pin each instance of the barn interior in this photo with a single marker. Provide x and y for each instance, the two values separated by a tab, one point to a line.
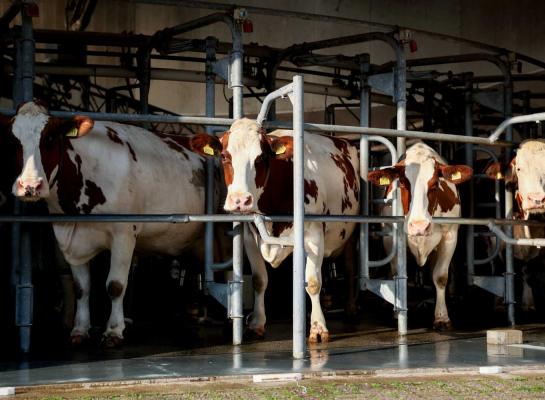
444	68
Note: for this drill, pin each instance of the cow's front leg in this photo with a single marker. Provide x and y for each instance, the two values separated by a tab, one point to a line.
122	250
260	281
314	246
445	250
82	288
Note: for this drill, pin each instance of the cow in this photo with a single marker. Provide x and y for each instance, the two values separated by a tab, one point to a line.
258	172
428	188
526	174
79	166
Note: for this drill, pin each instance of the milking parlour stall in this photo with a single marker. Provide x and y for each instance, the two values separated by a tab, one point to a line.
271	199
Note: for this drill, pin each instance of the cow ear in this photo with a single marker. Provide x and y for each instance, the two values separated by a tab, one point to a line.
383	177
205	145
281	147
79	126
498	171
456	173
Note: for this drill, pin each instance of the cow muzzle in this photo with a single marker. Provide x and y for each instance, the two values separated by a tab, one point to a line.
239	203
31	189
535	201
420	227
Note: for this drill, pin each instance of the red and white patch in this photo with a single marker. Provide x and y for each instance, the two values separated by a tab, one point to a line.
428	188
258	172
81	167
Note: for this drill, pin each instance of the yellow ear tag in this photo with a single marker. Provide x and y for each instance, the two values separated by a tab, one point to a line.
72	132
499	176
208	150
455	176
384	180
280	150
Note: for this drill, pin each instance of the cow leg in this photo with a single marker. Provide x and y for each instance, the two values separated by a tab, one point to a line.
314	246
527	294
116	285
445	251
82	288
260	281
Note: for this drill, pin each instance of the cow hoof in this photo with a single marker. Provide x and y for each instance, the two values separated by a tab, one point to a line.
111	342
442	326
318	335
254	333
77	340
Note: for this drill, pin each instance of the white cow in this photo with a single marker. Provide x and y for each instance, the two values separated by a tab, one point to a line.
428	189
258	172
83	167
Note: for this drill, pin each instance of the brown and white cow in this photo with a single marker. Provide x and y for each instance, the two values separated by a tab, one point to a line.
259	176
526	173
428	189
83	167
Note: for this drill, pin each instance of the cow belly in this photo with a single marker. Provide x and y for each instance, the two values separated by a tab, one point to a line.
169	239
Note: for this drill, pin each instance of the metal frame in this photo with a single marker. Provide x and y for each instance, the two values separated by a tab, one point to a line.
232	293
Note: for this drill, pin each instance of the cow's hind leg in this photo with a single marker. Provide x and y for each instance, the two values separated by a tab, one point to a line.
314	246
445	250
260	278
122	250
82	288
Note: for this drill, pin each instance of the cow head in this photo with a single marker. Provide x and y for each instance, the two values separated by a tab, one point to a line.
246	153
38	140
527	172
421	188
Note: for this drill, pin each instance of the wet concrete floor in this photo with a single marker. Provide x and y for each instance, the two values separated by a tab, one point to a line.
364	348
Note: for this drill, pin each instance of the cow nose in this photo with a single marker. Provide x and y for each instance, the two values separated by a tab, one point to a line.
241	201
30	188
419	227
537	197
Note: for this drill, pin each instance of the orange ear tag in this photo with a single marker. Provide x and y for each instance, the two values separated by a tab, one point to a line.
72	132
384	180
208	150
280	150
455	176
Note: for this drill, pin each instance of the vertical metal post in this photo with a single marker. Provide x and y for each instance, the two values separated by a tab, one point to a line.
211	44
509	261
299	306
238	241
24	289
401	117
365	108
468	121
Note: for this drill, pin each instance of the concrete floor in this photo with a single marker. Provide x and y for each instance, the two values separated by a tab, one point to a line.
365	348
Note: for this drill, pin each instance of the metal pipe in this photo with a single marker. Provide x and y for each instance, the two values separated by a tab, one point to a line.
345	20
468	121
235	295
24	302
209	199
365	117
187	218
172	119
267	238
515	120
299	305
270	98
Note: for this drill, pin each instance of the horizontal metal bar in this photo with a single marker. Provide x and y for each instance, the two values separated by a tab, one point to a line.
356	130
515	120
185	218
519	242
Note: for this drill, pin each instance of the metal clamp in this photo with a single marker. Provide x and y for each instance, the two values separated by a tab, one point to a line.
230	285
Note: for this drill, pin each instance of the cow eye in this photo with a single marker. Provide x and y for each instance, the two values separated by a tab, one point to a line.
225	157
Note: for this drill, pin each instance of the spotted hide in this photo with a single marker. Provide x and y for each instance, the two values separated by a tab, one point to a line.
83	167
526	174
258	173
428	189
